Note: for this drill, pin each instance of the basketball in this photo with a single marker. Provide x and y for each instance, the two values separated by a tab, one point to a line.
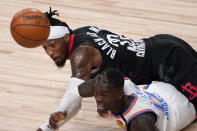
30	28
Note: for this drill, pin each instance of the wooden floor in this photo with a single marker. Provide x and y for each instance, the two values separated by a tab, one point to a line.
30	84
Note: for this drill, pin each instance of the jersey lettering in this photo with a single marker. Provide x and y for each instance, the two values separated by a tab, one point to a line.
156	100
104	45
135	46
113	41
95	29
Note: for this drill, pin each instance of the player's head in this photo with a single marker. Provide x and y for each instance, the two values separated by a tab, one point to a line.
56	46
108	90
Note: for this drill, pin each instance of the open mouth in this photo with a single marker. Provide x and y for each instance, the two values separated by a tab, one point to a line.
56	59
101	109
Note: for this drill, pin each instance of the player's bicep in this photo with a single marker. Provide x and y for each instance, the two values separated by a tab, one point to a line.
81	63
143	122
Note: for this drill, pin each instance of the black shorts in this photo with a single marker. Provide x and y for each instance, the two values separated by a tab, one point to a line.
175	62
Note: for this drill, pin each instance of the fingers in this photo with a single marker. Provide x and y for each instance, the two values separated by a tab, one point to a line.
53	122
55	118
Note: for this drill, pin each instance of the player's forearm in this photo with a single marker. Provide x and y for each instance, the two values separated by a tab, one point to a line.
86	89
69	104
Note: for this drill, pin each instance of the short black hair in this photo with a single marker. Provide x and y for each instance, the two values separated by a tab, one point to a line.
115	78
54	21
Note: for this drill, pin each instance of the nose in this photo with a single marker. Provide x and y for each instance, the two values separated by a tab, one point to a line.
99	99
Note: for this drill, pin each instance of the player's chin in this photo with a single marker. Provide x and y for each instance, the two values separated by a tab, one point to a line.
60	63
102	113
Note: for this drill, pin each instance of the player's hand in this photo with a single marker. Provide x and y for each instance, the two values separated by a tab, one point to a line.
56	119
39	129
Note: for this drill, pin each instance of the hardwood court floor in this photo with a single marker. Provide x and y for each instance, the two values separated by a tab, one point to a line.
30	84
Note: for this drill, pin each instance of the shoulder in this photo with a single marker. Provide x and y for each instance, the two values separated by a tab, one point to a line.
83	50
84	54
82	61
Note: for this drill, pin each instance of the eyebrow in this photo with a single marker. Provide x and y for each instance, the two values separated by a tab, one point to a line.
50	40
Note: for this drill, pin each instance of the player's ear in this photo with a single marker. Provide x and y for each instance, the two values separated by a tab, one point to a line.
67	37
119	95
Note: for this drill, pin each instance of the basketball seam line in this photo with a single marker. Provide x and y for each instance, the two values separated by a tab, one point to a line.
28	38
30	25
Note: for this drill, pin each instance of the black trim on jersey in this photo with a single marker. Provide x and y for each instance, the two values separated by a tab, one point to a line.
124	119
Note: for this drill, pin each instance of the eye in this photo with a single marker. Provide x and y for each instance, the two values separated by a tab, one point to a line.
44	47
52	45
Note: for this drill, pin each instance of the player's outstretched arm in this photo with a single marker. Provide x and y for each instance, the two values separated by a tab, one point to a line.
82	61
143	122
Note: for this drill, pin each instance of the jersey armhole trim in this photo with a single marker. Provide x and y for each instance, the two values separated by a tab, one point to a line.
138	113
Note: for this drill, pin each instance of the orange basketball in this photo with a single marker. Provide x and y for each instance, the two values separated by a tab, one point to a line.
30	28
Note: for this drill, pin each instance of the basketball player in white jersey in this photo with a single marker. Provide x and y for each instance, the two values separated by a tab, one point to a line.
147	109
139	109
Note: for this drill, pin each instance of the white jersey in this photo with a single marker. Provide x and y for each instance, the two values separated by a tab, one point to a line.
138	106
179	112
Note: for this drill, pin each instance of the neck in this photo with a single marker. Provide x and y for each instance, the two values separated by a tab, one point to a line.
122	105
